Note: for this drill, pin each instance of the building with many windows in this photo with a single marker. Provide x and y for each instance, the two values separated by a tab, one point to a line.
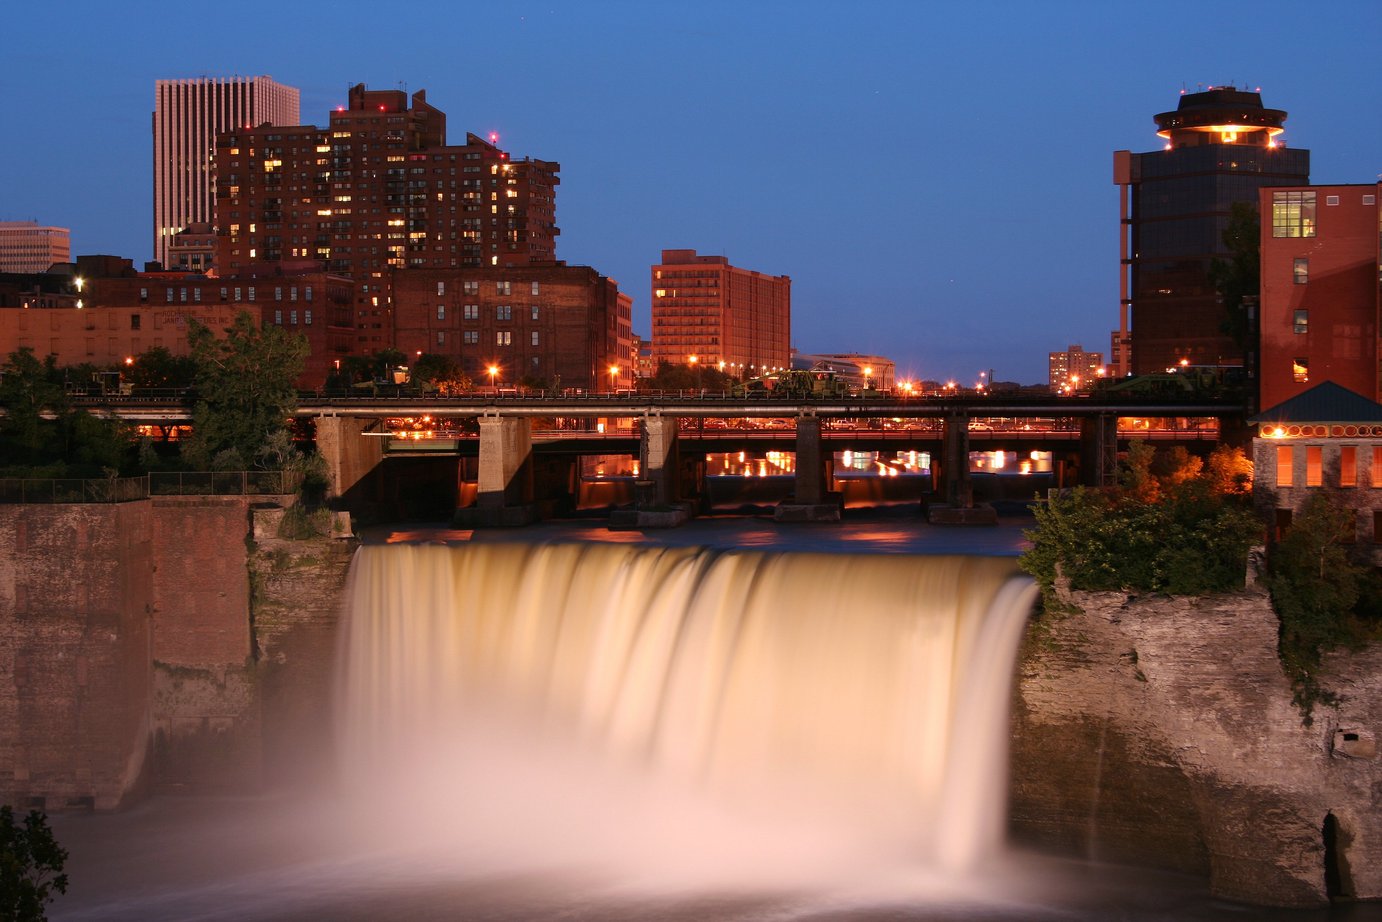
1221	147
1074	370
561	326
188	115
706	311
27	246
1320	294
379	189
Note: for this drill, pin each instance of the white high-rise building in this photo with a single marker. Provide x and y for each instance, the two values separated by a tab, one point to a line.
27	246
188	114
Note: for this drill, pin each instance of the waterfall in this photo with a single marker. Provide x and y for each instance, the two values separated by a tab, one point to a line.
561	703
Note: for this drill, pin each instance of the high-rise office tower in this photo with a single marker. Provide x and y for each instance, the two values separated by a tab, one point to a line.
27	246
378	191
707	311
188	114
1221	146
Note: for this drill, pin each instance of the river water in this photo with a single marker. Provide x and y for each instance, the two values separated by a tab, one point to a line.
410	845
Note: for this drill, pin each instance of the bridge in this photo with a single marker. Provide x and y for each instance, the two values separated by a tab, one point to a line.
670	432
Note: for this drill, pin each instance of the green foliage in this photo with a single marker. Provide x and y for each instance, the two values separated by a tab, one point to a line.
1318	591
246	390
160	368
1167	532
440	373
31	862
42	435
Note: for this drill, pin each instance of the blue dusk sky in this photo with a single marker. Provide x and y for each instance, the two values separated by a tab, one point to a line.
935	178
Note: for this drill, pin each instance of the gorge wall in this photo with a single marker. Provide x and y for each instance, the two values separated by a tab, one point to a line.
181	644
1161	730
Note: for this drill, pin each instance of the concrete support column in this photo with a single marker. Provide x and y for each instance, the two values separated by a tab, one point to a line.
506	468
350	455
956	486
1099	450
658	462
810	479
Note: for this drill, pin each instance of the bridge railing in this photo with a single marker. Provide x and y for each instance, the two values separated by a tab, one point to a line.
31	490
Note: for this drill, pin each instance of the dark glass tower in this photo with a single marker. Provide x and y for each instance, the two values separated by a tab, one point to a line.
1221	147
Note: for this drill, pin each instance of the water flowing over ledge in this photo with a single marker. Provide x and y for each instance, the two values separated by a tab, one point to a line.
680	710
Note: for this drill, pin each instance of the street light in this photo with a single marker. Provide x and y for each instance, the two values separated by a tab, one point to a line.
868	373
493	371
613	377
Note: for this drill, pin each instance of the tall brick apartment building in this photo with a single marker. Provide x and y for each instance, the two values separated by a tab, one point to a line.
379	189
706	308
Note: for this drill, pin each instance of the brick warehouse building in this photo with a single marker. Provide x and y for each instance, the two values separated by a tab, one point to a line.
565	325
1221	147
379	189
100	311
1320	290
706	308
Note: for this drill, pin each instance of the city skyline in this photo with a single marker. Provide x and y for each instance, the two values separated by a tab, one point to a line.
792	141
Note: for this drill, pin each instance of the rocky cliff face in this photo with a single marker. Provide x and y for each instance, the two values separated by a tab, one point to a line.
1160	730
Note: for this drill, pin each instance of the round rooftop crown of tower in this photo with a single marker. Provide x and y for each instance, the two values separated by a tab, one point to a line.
1225	115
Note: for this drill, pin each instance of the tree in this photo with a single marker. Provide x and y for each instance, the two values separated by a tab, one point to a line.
160	368
29	391
245	389
31	862
1238	277
441	373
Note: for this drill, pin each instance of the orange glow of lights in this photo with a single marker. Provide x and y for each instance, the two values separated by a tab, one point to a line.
129	360
1221	130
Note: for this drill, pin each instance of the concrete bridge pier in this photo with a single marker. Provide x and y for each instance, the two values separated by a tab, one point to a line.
504	492
349	456
812	501
657	493
956	487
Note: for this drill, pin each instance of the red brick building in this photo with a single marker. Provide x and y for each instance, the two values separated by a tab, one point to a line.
705	308
564	325
379	189
1320	290
106	312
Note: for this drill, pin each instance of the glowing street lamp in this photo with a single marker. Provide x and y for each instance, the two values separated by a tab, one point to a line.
613	377
493	371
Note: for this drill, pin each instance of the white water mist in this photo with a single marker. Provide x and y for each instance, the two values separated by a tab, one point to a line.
680	714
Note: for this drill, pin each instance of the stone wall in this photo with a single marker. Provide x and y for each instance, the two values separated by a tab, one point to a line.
76	593
133	651
1160	730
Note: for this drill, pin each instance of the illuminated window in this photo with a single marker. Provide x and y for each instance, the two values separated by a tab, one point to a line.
1285	456
441	289
1300	270
471	312
1300	321
441	311
1300	370
535	288
472	287
1348	466
1314	465
503	288
1293	214
503	338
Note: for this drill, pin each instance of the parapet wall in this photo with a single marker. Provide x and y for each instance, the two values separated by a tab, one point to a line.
1160	730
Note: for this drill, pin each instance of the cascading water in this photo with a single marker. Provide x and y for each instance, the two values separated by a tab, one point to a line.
681	710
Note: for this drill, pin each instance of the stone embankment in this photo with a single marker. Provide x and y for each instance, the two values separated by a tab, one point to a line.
1161	731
